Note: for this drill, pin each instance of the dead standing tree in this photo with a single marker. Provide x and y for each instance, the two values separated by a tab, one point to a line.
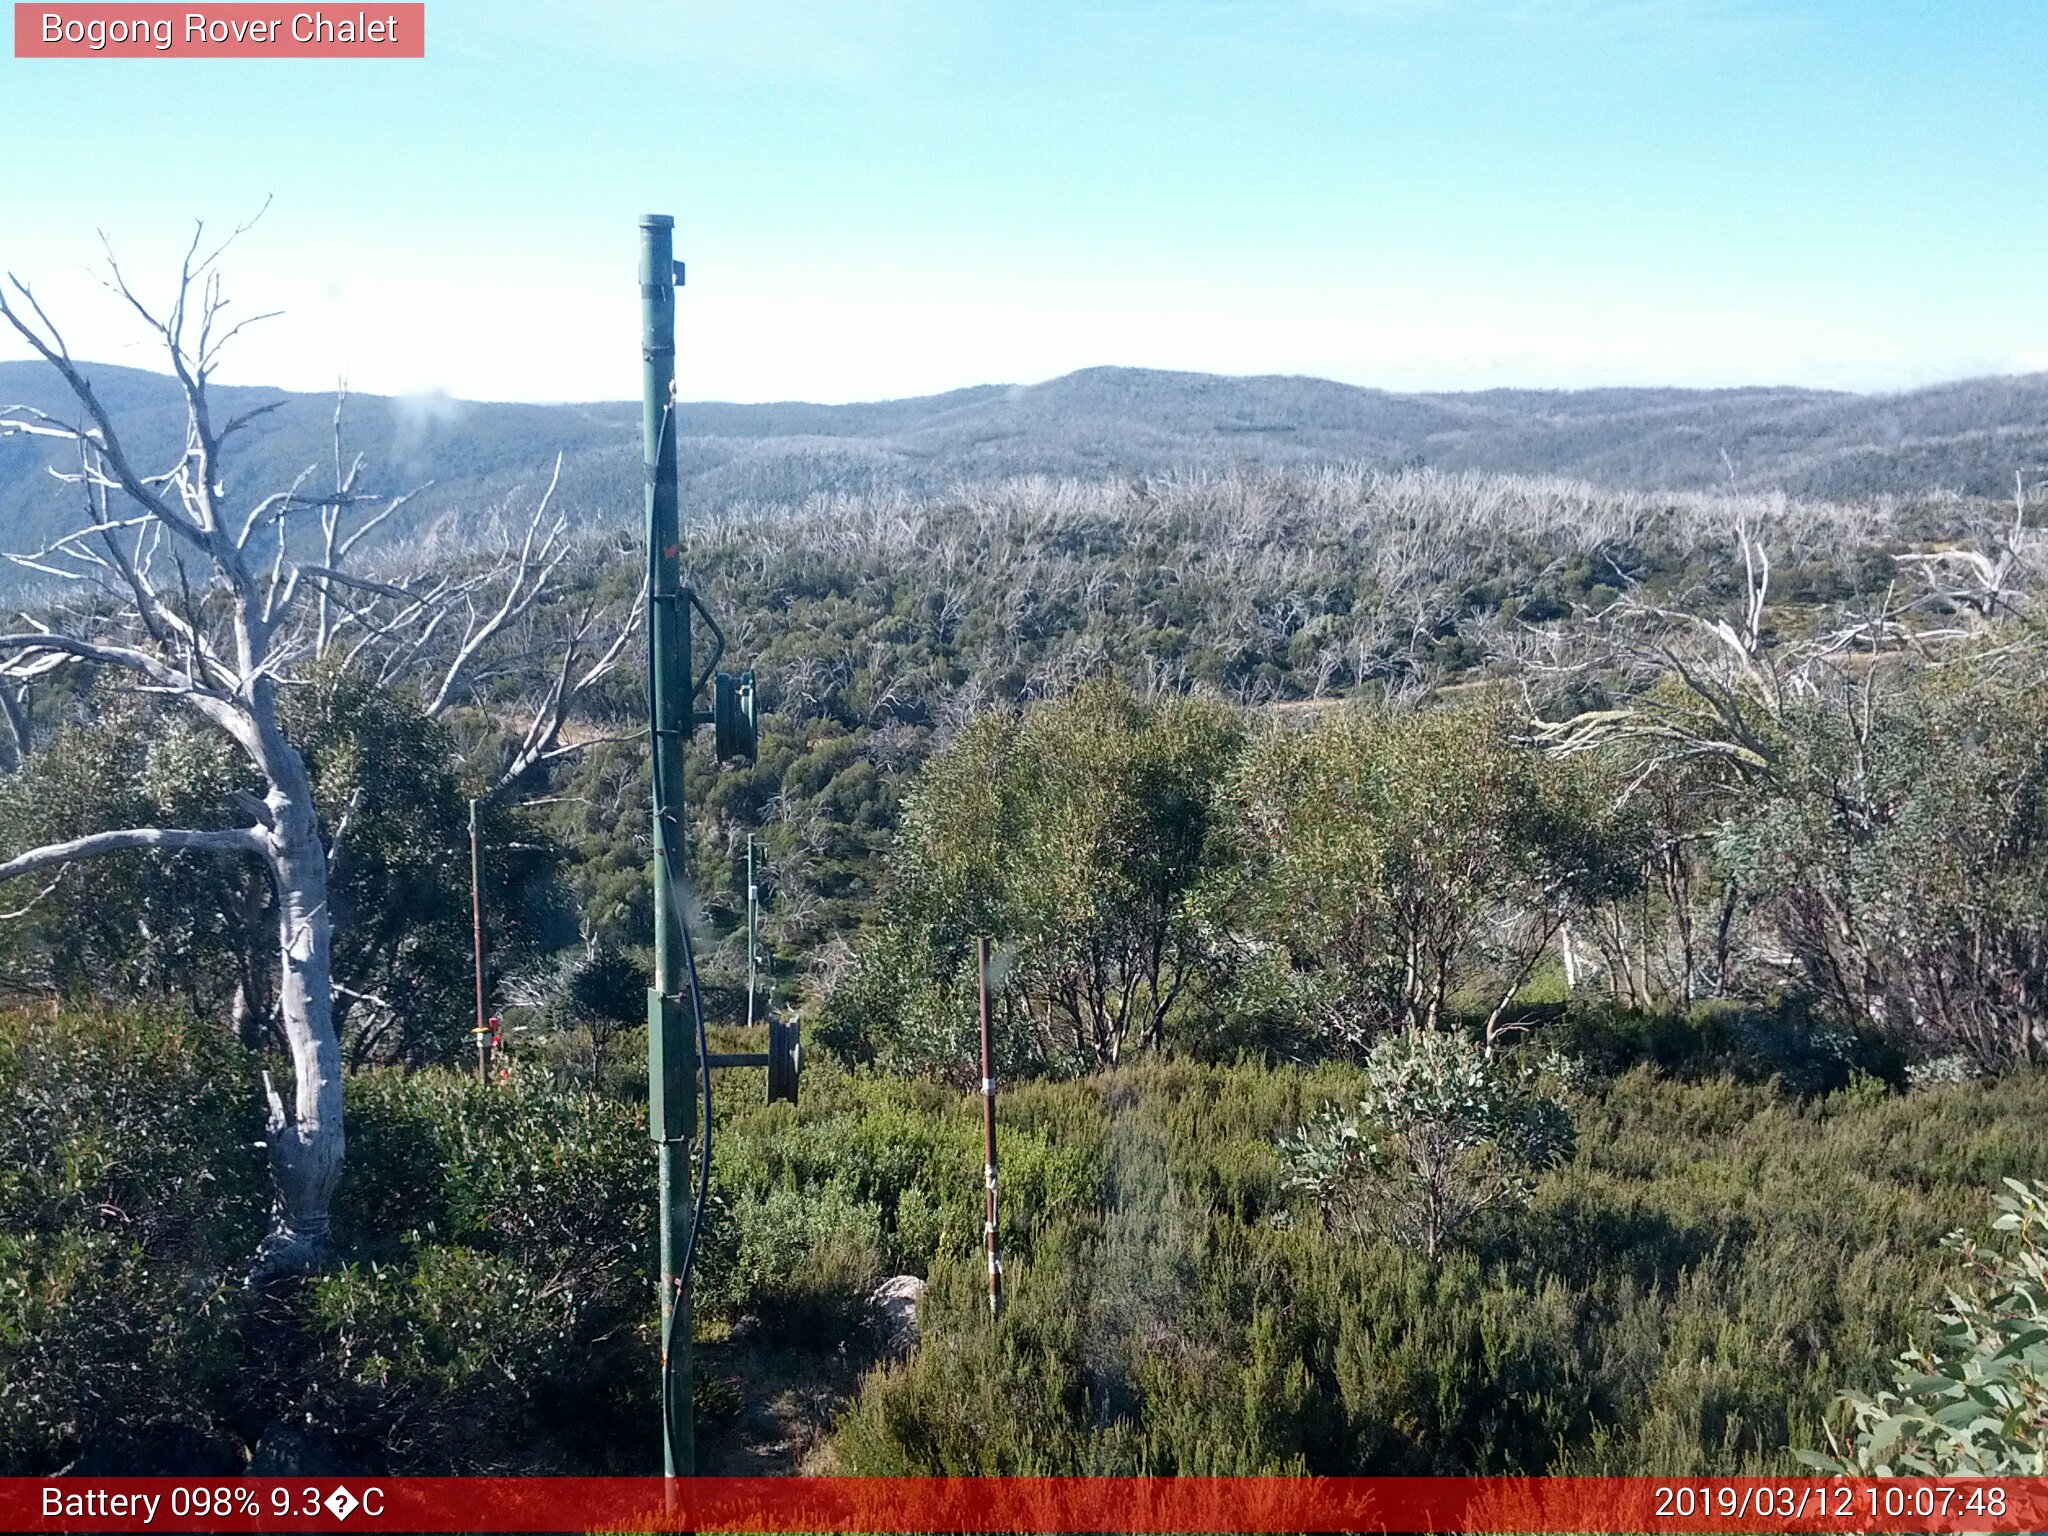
1808	757
200	595
459	638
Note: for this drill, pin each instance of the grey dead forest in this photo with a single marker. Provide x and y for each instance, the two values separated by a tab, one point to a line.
1965	438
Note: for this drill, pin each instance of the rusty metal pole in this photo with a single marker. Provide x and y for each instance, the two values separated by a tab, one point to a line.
988	1137
476	925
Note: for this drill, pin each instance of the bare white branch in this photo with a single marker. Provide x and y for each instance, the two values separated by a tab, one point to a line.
241	840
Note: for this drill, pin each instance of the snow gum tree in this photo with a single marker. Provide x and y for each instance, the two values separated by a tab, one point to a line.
211	599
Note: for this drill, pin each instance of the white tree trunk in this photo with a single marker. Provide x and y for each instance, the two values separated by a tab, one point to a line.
305	1148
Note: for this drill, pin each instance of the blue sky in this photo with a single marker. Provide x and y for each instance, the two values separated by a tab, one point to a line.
887	197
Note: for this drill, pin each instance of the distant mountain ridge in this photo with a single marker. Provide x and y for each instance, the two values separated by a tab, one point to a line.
1968	437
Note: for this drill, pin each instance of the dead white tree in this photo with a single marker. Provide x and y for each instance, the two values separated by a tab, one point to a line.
166	642
469	625
1714	718
210	599
1981	582
1730	686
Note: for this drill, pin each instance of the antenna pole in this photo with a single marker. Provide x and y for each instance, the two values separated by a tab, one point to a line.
671	1059
988	1136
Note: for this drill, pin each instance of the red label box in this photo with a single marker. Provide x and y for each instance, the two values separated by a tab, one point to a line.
105	29
1049	1505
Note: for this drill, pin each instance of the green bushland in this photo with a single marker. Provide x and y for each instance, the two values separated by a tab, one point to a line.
1688	1293
128	1194
879	627
494	1307
492	1311
1240	773
1972	1400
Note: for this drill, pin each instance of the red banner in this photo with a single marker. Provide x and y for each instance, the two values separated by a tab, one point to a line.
235	31
1046	1504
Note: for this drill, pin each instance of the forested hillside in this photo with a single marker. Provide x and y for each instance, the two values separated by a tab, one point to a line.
1103	422
1177	947
1695	838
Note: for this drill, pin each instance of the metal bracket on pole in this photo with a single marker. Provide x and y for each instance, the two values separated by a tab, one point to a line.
784	1058
735	724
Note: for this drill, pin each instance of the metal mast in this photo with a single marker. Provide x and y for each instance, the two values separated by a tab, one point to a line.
679	1057
671	1065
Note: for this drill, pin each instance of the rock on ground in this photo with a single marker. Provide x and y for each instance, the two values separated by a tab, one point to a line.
895	1302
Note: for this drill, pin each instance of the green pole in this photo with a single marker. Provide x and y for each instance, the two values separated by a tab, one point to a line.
671	1060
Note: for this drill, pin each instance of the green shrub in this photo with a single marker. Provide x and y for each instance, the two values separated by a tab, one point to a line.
806	1261
500	1313
1396	864
921	1231
1974	1401
1687	1293
130	1201
1898	854
460	1360
107	1357
1078	833
1444	1131
497	1312
1721	1038
556	1176
912	1151
1683	1296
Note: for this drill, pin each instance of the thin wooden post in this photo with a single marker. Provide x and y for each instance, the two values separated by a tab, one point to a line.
988	1138
476	925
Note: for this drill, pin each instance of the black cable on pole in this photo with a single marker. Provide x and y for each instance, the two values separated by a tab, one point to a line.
682	1278
665	815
